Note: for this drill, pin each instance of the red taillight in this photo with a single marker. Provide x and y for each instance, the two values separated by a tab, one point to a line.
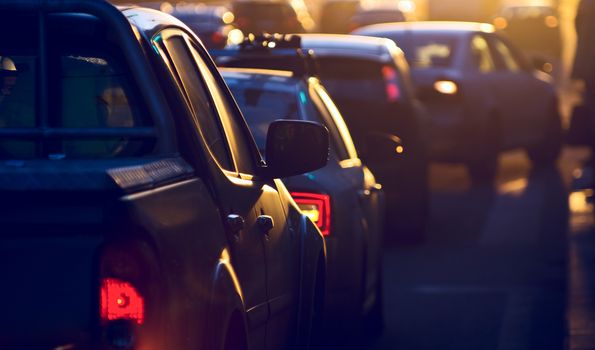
393	93
317	207
217	37
121	300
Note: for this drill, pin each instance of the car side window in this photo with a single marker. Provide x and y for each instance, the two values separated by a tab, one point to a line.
506	59
334	121
205	115
480	54
232	120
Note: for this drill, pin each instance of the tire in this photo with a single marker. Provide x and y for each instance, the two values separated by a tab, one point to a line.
546	153
484	169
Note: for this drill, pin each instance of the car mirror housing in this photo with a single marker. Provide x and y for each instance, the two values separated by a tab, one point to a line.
382	147
295	147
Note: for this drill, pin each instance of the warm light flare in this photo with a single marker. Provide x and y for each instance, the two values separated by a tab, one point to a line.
228	17
166	7
235	37
551	21
446	87
500	23
400	149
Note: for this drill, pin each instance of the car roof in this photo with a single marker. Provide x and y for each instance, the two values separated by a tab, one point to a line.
348	45
257	73
430	26
149	21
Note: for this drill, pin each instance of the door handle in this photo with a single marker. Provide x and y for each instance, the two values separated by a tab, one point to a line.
235	223
265	223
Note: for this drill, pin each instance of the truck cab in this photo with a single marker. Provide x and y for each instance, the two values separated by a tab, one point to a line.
136	211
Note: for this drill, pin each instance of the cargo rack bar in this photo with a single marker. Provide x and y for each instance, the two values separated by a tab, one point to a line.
131	50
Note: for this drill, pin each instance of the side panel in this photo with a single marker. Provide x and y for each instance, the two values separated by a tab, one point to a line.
187	230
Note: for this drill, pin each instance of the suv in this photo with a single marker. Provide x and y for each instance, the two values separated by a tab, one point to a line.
368	78
136	210
342	198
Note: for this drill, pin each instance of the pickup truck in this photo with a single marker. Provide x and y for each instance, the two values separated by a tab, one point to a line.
135	209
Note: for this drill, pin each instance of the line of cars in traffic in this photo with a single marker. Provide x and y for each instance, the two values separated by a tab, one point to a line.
159	201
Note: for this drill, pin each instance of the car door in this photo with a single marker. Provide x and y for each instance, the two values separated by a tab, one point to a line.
368	192
236	196
524	94
279	241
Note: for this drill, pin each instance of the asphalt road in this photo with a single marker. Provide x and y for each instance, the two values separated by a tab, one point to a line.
493	272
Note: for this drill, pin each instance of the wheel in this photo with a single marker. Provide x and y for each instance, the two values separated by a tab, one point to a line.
546	153
485	168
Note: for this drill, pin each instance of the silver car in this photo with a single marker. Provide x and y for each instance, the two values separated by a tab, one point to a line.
482	94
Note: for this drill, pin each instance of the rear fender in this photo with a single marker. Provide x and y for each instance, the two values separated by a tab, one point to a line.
226	301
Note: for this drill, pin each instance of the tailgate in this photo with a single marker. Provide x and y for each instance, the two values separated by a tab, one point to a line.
48	294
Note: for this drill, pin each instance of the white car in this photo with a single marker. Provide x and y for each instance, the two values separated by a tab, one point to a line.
482	94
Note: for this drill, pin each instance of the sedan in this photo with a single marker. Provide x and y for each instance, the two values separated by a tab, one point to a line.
482	94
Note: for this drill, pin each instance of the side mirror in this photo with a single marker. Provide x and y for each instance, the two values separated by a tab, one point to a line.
295	147
382	147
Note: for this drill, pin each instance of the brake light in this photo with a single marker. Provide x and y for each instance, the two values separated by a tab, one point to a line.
217	37
120	300
317	207
393	93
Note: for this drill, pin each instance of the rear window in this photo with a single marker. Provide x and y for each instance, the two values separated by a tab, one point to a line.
423	50
88	87
262	106
356	79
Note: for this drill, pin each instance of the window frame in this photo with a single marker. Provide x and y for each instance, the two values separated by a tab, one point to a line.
337	129
158	42
232	115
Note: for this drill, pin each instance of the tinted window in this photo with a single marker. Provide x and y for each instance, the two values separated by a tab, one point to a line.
232	121
359	79
204	110
87	87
